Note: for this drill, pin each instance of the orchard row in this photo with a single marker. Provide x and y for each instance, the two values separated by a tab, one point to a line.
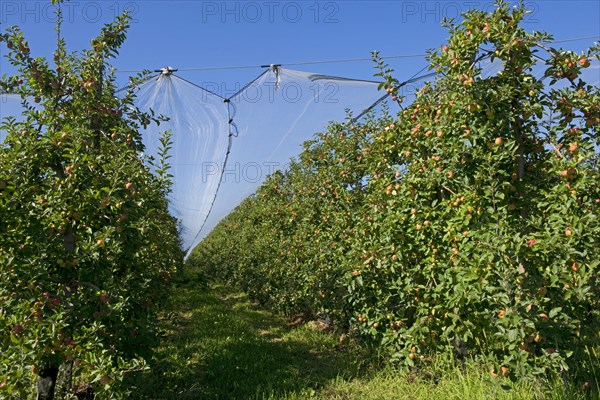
468	222
86	242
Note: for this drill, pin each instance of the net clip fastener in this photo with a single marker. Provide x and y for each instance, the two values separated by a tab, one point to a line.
166	70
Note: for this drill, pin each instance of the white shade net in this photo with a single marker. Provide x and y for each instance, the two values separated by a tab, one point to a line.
266	123
199	123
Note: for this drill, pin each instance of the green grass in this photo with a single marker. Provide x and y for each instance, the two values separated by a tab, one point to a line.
219	345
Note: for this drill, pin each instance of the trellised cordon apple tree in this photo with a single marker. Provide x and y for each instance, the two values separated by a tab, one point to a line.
86	241
467	223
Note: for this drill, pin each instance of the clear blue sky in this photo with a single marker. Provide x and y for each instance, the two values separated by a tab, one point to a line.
194	33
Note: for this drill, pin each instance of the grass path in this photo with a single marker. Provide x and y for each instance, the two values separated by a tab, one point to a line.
217	345
220	346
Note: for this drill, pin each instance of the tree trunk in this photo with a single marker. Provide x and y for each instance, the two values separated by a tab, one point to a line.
64	381
46	383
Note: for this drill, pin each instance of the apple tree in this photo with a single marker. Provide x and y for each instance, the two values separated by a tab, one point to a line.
487	186
86	242
467	223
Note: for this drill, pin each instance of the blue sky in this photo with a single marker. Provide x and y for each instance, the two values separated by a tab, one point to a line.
195	34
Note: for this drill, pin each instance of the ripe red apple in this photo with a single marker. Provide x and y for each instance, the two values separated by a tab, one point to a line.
584	62
573	147
575	267
568	232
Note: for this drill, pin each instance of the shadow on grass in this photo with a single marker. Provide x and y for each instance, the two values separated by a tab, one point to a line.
218	346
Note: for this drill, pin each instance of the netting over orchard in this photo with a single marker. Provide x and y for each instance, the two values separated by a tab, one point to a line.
224	147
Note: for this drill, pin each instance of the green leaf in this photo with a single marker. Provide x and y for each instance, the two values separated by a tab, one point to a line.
554	312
